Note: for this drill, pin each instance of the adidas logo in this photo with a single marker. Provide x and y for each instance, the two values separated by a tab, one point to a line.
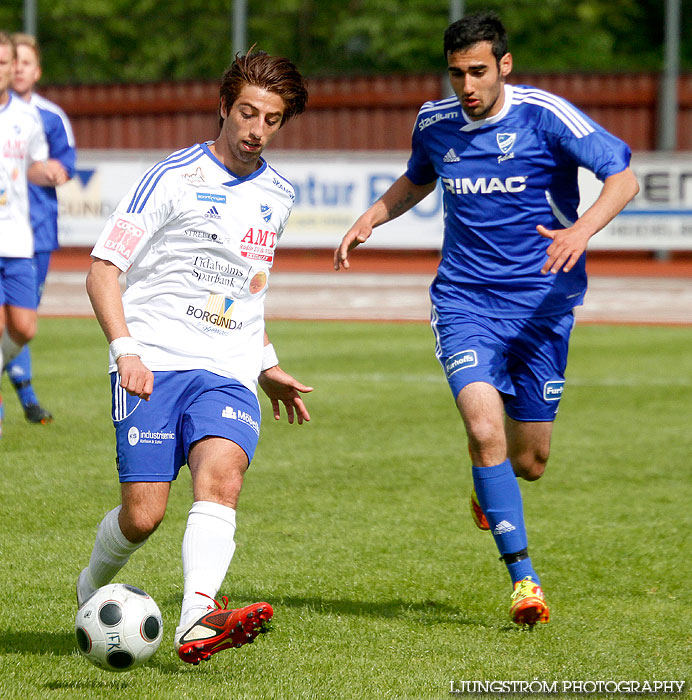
213	213
503	527
451	157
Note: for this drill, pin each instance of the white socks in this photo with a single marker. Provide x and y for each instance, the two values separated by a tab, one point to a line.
208	546
111	552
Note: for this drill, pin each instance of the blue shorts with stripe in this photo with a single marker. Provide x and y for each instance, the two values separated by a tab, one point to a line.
18	282
153	438
524	359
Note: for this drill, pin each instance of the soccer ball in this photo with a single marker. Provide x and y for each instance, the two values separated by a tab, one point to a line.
118	628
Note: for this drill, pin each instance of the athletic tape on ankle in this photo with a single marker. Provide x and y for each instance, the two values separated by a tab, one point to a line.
269	358
126	345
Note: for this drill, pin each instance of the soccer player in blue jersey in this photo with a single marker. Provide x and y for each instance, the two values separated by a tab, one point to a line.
512	268
43	204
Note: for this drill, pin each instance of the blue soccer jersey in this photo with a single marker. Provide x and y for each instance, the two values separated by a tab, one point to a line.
501	177
43	201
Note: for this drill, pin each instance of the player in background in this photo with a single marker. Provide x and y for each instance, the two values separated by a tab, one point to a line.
197	236
512	267
43	204
23	155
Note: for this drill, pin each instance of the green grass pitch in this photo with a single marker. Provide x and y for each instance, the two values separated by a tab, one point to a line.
356	528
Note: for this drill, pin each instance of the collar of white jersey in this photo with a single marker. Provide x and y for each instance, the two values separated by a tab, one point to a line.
477	124
10	96
237	179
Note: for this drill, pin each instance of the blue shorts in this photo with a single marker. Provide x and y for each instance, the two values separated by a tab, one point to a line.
153	438
18	282
524	359
41	262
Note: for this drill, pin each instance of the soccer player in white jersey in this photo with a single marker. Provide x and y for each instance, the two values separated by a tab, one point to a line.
196	236
43	205
23	155
512	266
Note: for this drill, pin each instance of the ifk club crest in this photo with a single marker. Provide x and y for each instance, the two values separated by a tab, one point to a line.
506	144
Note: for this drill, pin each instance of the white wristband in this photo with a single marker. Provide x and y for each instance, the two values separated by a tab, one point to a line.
269	358
126	345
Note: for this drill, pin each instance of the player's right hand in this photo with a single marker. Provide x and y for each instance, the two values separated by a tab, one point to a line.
357	234
135	377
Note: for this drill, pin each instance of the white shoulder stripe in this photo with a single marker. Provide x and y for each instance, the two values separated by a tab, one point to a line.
439	105
559	107
564	105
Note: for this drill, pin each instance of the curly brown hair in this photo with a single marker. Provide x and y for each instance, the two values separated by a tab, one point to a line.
273	73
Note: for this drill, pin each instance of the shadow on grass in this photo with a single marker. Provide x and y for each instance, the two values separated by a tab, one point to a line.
60	643
65	644
84	684
428	611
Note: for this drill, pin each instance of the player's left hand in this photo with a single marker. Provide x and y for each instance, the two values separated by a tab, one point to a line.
56	173
280	386
566	248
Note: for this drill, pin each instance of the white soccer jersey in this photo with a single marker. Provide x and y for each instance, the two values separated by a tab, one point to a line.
23	143
197	243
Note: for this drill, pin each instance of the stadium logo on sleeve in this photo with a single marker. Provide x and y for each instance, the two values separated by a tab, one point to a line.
459	361
429	121
552	391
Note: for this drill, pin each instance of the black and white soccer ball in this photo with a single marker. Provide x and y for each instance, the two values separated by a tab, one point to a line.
119	627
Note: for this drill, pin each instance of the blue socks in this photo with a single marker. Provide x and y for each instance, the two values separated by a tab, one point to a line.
19	372
500	498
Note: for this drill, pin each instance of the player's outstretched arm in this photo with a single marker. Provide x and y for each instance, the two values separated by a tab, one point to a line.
397	200
104	293
568	244
281	387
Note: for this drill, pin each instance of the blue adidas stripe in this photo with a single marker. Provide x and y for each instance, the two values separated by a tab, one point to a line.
149	173
151	178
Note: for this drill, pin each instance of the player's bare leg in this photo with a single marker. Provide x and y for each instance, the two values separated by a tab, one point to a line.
528	447
123	531
499	497
217	466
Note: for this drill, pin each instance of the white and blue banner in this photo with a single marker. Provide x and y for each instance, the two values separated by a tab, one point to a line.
334	188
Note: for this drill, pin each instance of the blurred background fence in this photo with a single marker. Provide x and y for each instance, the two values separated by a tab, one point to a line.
349	113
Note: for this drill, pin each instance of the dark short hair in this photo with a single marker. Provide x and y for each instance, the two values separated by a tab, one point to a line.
470	30
272	73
